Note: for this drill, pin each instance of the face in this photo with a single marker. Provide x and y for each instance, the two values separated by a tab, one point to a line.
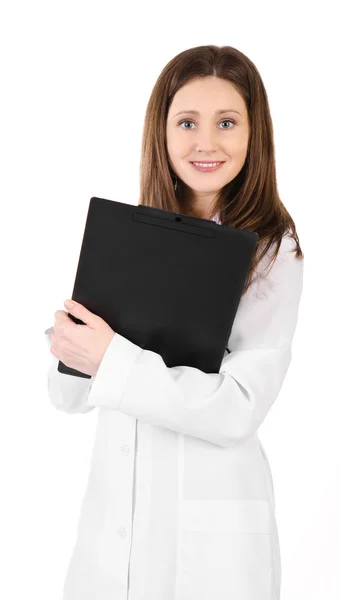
210	135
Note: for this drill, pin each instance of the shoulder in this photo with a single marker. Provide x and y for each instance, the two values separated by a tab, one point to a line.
267	312
285	270
286	255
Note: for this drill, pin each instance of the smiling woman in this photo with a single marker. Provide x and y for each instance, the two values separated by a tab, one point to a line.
180	500
211	106
211	138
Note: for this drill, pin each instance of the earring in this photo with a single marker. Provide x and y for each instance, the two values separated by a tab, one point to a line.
176	183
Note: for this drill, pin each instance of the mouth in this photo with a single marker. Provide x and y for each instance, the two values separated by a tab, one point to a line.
207	167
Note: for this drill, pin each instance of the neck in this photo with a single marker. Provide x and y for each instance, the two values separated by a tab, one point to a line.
198	206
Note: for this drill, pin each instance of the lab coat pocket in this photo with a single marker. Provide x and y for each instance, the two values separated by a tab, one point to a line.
225	550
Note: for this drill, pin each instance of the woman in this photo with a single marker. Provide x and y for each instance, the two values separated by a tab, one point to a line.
180	502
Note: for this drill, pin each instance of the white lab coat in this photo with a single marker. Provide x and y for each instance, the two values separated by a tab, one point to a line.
180	503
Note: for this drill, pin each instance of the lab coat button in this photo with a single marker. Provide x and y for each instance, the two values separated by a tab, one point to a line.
121	532
125	450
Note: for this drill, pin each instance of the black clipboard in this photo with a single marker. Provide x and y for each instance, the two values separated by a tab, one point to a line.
168	282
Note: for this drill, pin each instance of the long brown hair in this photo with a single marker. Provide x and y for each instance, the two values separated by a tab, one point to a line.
251	200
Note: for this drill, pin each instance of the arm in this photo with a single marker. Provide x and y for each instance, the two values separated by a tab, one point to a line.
223	408
66	392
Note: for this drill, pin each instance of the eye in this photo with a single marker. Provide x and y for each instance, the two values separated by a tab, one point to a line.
224	121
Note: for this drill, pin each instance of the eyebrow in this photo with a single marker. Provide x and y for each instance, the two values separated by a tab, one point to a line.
218	112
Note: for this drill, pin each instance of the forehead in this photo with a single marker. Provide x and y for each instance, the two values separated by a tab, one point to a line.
207	96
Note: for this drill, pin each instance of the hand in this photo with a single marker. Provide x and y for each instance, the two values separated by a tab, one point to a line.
80	347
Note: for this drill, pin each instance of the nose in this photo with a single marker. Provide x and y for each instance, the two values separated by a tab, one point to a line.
206	140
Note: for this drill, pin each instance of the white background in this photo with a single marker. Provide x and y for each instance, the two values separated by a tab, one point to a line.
75	81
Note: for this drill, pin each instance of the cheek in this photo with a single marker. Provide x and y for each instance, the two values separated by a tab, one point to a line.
174	145
237	154
236	144
178	144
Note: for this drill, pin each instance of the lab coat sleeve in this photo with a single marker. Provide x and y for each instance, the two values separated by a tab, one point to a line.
224	408
66	392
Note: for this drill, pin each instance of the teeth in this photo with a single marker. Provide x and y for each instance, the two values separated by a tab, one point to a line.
207	164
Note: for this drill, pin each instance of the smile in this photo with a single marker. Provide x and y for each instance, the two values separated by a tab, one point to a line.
207	167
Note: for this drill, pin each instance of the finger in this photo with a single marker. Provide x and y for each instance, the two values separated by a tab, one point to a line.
60	320
54	341
60	315
63	325
81	312
55	351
